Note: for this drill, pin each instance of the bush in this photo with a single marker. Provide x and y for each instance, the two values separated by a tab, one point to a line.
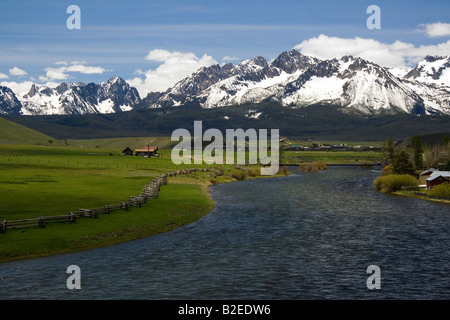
394	182
239	174
313	167
284	170
388	170
254	172
442	191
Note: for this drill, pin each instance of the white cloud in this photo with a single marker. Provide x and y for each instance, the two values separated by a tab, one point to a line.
397	54
17	72
18	88
228	59
434	30
3	76
174	67
61	72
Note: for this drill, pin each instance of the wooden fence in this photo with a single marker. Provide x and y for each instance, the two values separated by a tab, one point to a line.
150	191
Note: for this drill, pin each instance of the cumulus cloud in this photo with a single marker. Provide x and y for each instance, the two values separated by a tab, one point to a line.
397	54
174	67
228	59
434	30
18	88
64	68
17	72
3	76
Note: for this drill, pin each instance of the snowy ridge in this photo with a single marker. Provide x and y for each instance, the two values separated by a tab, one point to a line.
292	80
295	80
114	95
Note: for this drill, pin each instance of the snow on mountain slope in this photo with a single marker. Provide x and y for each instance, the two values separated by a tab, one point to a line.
115	95
431	80
9	104
295	80
292	79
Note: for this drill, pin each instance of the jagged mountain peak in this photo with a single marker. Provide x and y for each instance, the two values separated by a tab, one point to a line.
9	104
292	61
292	79
431	69
113	95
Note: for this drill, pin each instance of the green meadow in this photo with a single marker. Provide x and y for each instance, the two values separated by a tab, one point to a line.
330	157
47	181
57	177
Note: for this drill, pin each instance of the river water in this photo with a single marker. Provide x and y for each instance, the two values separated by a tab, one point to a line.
303	236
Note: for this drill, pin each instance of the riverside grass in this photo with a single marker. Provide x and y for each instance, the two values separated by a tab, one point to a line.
38	180
52	180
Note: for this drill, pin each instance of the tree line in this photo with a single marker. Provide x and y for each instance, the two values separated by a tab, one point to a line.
416	156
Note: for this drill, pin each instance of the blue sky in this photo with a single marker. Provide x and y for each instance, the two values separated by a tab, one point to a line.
153	44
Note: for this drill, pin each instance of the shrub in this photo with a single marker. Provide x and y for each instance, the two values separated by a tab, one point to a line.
388	170
254	172
313	167
394	182
442	191
239	174
284	170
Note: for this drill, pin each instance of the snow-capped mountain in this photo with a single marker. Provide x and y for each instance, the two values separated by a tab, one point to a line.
431	80
9	104
296	80
292	79
114	95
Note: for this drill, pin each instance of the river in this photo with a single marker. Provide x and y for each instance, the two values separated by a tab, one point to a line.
303	236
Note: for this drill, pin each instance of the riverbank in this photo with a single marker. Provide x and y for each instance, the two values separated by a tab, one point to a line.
411	194
184	200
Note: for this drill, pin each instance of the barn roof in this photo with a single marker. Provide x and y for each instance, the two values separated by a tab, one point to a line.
428	171
147	149
437	174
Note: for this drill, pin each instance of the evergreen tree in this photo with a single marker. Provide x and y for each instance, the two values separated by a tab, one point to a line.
388	151
418	151
447	166
402	165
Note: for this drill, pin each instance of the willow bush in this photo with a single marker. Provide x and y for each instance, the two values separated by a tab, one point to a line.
394	182
441	190
239	174
313	167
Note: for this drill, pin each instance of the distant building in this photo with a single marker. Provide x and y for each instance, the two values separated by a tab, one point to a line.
127	152
437	178
424	175
146	151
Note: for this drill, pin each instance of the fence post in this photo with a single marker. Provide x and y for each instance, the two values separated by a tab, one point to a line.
41	222
3	226
72	217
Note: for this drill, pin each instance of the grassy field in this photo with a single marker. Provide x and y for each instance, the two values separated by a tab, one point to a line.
53	179
330	157
11	133
48	181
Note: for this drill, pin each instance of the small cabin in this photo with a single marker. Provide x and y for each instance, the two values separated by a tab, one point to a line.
146	151
424	175
437	178
127	152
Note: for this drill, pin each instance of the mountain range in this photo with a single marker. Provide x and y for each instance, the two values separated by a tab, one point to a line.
292	80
